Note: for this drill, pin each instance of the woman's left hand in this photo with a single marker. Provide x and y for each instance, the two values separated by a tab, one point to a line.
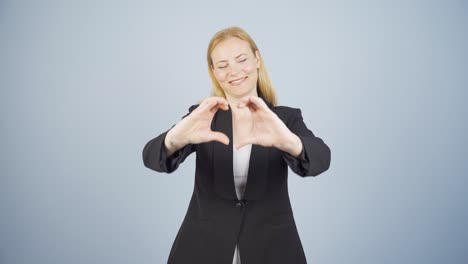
268	130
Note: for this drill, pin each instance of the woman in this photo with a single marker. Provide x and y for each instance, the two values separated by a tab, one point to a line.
240	209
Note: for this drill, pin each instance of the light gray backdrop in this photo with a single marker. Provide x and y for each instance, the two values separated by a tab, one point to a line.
85	84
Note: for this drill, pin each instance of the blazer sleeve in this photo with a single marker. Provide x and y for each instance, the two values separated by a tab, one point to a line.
315	156
155	157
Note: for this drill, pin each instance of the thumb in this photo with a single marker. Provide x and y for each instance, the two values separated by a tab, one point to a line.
218	136
244	142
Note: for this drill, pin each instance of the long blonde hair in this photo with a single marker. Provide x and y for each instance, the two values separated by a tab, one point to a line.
264	85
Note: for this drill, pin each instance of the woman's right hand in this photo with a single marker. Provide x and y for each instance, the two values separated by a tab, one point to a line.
196	127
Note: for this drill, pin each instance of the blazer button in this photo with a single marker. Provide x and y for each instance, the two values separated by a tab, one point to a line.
240	204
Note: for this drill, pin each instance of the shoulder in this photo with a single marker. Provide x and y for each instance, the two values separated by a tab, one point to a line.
287	113
192	107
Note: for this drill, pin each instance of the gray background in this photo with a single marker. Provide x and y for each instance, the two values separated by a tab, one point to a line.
84	86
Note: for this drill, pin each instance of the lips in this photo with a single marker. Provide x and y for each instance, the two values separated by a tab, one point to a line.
238	81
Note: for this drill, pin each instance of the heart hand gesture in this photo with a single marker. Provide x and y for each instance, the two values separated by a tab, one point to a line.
268	129
196	127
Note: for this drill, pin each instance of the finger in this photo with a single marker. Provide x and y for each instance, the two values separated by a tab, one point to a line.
214	109
214	103
244	102
222	103
208	103
252	102
218	136
218	106
258	102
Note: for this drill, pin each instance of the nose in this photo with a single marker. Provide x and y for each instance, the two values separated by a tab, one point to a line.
234	70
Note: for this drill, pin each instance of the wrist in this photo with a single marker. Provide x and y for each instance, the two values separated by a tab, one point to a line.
172	142
293	145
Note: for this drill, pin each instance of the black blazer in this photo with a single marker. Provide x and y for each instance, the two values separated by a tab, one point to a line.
262	223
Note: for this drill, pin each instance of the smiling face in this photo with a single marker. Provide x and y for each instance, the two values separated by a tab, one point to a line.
235	67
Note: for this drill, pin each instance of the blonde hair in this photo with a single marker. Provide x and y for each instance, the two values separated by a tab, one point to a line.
264	85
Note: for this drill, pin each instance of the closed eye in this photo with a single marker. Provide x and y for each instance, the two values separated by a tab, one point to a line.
224	66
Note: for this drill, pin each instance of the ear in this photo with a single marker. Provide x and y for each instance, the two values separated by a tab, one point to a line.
257	56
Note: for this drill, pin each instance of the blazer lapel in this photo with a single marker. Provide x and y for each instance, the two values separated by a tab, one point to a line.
223	173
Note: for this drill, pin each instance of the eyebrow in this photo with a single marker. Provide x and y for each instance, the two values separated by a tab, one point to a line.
236	58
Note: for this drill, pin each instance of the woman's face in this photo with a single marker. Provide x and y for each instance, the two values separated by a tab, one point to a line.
235	67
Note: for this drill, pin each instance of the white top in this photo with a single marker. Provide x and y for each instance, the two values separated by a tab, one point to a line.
241	159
